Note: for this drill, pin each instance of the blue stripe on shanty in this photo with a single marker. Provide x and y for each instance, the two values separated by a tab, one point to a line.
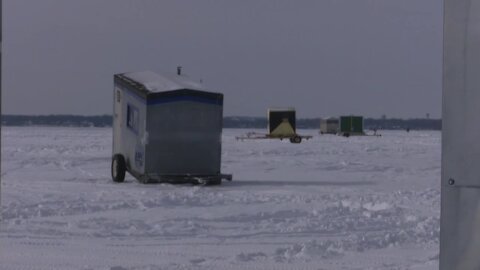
161	100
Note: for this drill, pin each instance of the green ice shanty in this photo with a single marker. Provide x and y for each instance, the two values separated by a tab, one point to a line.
351	125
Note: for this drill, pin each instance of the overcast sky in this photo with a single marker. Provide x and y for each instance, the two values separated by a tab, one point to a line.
323	57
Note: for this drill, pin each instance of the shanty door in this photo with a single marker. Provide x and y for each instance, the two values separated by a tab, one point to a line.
357	124
460	184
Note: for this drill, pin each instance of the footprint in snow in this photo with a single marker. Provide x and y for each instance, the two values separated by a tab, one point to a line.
197	261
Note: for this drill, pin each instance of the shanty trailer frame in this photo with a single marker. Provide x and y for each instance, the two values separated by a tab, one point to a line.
297	138
166	136
460	183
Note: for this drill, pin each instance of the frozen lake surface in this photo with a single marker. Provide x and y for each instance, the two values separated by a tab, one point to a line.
328	203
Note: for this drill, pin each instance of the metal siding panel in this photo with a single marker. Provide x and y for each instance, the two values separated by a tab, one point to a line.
329	125
323	125
460	214
345	124
357	124
460	225
184	138
116	123
127	142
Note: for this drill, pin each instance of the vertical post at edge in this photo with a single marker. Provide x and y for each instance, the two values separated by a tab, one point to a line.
460	183
1	64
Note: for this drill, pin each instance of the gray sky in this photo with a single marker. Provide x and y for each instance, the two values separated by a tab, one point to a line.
324	57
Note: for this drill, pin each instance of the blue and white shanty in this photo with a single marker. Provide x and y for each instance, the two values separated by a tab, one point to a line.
166	128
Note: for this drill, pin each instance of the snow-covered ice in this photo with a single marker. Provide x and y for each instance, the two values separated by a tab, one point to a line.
327	203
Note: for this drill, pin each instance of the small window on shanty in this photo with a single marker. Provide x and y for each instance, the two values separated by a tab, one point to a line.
132	118
119	97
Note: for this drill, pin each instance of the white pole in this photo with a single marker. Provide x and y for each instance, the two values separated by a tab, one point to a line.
1	63
460	184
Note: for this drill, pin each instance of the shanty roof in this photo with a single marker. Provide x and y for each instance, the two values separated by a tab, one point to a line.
156	88
154	82
281	109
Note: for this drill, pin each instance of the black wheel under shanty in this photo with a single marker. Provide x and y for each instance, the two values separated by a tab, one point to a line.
118	168
296	139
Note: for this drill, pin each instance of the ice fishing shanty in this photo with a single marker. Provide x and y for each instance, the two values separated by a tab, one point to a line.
329	125
351	126
166	128
281	125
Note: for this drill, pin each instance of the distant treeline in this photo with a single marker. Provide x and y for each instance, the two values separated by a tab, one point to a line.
57	120
228	122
